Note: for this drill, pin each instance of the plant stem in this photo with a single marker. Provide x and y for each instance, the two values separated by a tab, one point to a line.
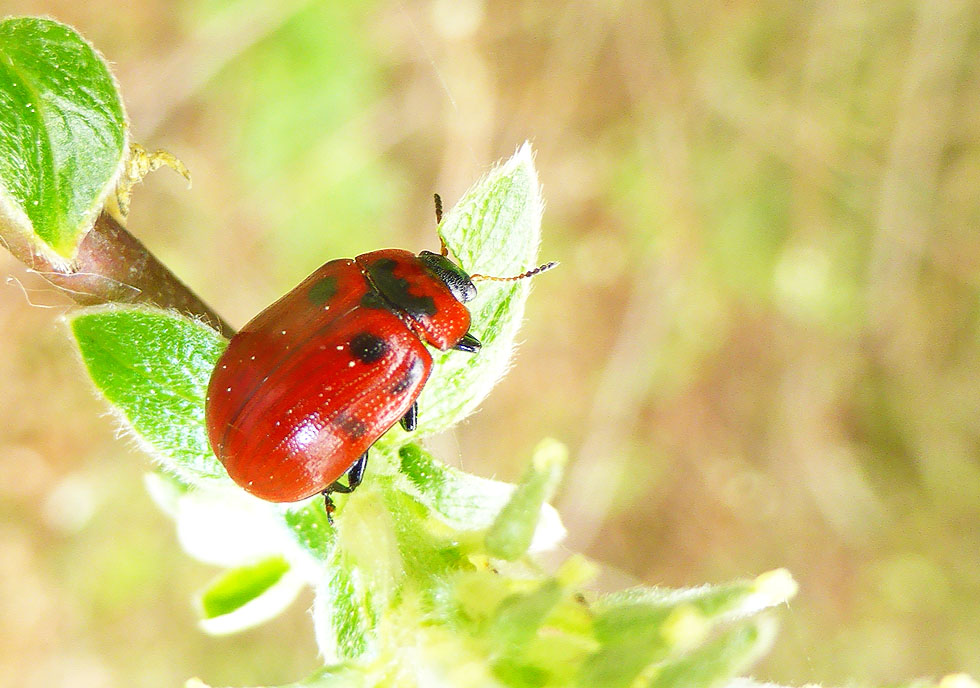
113	266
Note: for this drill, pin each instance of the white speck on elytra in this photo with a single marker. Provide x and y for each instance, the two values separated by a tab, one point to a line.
252	357
278	423
228	390
340	347
350	364
283	332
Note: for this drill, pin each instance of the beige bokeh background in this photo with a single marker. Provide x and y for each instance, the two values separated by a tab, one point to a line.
762	347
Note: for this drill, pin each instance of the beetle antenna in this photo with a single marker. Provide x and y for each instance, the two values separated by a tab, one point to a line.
438	199
524	275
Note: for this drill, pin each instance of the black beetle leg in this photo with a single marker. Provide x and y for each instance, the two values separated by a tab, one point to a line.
328	506
411	418
355	474
468	343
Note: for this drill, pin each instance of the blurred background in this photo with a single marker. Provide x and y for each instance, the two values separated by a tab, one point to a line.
762	347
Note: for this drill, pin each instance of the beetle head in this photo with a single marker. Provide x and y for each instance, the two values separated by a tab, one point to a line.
450	274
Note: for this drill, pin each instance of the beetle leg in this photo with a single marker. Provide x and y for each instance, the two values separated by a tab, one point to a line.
328	506
411	418
355	474
468	343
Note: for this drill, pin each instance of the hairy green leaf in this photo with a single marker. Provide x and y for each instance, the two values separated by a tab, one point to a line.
62	133
309	525
344	614
153	366
519	616
718	661
715	603
494	229
465	501
642	626
513	529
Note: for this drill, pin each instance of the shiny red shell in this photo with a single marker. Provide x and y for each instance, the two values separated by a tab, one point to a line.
316	378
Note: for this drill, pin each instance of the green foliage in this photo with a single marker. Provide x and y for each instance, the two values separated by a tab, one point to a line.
428	577
513	529
494	229
62	134
154	366
238	586
425	565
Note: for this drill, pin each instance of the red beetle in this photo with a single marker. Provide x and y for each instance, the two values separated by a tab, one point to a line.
305	388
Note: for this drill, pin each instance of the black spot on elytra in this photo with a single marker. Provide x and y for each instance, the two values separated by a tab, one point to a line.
352	427
372	299
322	291
368	348
396	290
410	377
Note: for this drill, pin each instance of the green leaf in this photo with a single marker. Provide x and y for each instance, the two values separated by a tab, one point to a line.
642	626
62	134
514	527
464	501
718	661
235	588
715	603
494	229
631	640
309	525
519	617
345	616
154	367
248	595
